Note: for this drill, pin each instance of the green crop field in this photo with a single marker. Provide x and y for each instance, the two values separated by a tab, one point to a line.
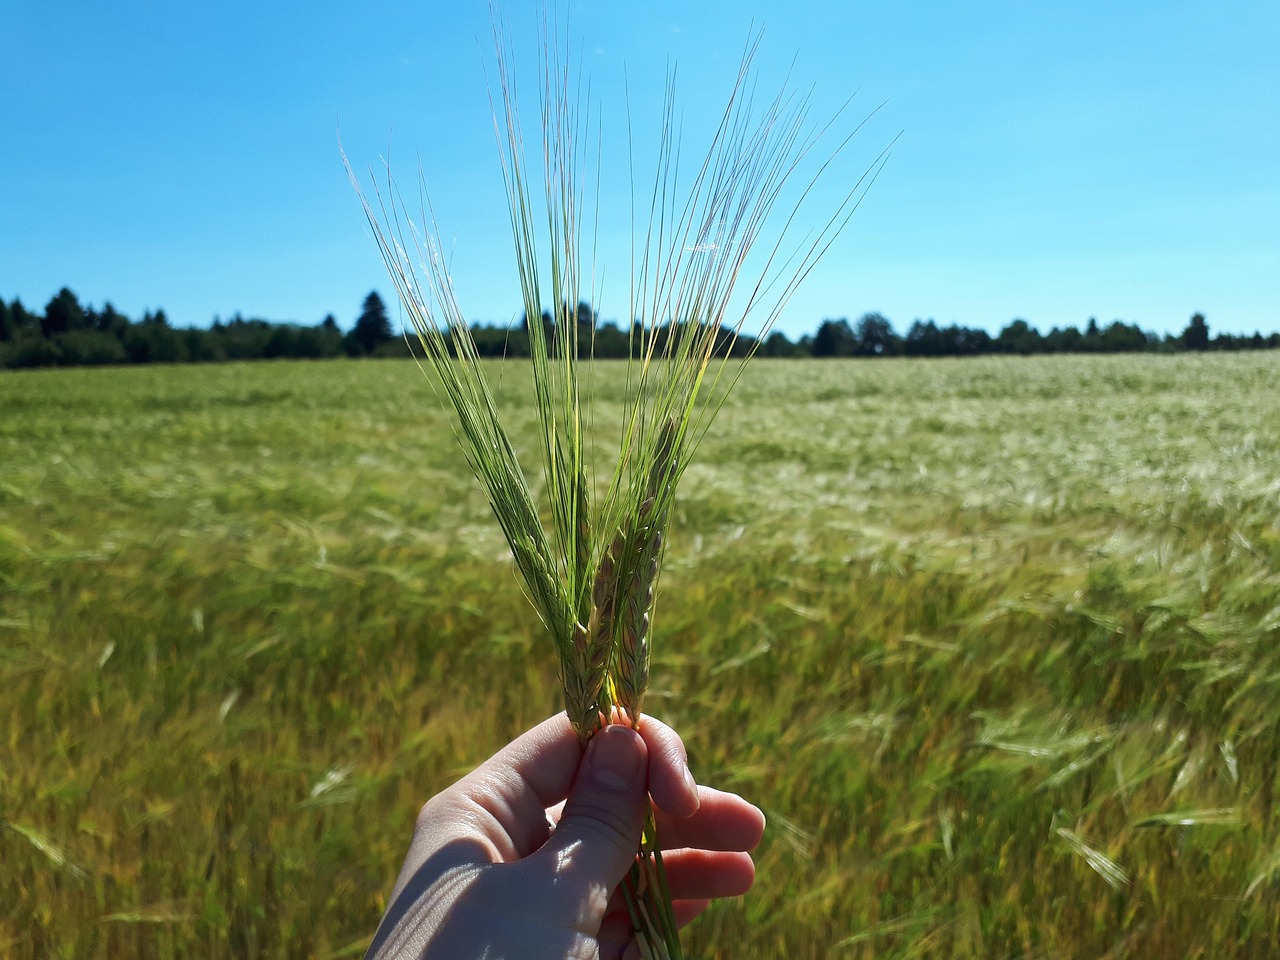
994	643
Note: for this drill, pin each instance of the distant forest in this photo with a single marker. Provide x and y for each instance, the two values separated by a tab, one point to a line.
69	333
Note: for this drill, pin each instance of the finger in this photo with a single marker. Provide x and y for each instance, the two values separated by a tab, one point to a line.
616	937
544	759
686	910
698	875
501	804
707	875
724	821
670	783
595	841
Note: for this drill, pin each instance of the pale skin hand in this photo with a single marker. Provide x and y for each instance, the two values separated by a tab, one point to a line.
487	877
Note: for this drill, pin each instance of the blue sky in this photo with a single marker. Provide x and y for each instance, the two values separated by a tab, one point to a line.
1057	161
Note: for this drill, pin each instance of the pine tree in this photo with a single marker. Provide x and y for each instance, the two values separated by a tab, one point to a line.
372	328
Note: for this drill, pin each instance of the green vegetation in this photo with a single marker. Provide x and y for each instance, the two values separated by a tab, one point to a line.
69	334
994	644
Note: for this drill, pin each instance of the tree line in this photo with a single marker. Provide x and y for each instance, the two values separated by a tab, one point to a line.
873	336
69	333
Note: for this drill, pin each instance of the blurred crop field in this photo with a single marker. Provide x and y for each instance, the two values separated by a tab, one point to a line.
994	643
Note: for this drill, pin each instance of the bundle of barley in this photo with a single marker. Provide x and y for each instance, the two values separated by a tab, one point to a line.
591	572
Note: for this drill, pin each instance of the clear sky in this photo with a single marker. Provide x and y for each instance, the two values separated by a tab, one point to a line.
1058	161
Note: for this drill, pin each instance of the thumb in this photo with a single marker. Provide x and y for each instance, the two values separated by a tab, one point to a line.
596	840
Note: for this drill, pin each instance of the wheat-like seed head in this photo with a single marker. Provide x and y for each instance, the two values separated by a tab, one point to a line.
632	659
586	696
643	549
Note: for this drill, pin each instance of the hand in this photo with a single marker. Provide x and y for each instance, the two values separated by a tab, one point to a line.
498	869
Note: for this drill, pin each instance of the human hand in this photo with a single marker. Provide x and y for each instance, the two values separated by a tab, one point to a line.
492	874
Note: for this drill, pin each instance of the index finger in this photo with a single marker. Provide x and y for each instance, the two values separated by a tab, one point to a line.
535	772
545	760
671	784
724	822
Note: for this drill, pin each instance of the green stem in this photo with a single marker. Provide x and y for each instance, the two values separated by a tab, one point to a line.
649	899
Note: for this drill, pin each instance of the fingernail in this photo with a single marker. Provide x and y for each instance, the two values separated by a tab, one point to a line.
614	758
692	786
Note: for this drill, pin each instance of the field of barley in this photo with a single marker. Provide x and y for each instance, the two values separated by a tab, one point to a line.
994	643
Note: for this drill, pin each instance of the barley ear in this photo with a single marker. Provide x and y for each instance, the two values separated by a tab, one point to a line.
588	693
586	698
643	550
581	553
631	670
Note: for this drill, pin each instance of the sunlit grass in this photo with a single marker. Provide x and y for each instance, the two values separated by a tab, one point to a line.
992	642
